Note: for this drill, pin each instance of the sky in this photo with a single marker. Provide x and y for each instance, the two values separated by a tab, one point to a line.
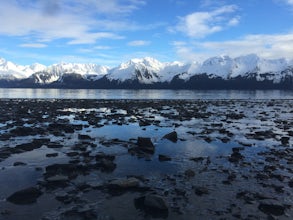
108	32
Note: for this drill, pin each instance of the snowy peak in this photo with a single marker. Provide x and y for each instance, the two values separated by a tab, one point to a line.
144	70
149	70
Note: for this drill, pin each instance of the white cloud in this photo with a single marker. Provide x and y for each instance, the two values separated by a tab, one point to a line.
234	21
201	24
100	47
33	45
81	22
138	43
290	2
267	46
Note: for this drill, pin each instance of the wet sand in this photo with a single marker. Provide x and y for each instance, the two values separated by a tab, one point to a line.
144	159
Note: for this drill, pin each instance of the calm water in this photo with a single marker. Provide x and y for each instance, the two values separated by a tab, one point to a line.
143	94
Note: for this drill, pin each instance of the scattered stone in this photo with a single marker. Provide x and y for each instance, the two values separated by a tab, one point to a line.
105	156
72	154
62	197
146	144
235	157
197	159
25	196
80	212
272	207
189	173
164	158
18	163
54	145
155	202
84	137
200	190
52	155
106	165
171	136
124	183
57	179
285	140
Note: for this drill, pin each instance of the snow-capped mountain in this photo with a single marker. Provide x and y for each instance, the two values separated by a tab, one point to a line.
55	72
149	71
144	70
11	71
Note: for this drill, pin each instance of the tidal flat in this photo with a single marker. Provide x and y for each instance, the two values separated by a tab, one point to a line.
146	159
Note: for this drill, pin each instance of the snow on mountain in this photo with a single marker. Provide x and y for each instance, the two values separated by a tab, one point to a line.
56	71
36	67
149	70
44	74
226	67
10	71
145	70
172	69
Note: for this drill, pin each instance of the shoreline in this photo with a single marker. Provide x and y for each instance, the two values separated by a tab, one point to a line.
199	158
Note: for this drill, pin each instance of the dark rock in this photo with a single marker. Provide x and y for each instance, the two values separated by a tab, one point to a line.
70	170
171	136
290	184
150	210
35	144
106	165
124	183
200	190
79	212
237	149
23	131
235	116
155	202
52	155
72	154
285	140
164	158
84	137
25	196
143	123
18	163
63	197
57	179
105	156
145	144
235	157
54	145
189	173
272	207
197	159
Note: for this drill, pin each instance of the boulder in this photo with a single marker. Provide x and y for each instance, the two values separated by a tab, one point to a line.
171	136
145	144
25	196
272	207
124	183
164	158
155	202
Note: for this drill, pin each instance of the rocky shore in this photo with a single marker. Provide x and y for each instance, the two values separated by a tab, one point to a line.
145	159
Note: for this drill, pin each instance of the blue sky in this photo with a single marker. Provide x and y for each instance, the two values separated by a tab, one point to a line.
109	32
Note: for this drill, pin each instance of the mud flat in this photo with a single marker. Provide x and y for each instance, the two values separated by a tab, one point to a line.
144	159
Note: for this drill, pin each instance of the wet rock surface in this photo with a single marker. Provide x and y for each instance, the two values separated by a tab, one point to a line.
25	196
144	159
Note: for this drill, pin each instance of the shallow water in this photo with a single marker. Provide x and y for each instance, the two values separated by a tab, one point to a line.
207	133
143	94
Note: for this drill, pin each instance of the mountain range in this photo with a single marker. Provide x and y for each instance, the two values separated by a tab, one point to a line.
222	72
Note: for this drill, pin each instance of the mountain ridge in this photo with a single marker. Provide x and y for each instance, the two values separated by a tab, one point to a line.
150	73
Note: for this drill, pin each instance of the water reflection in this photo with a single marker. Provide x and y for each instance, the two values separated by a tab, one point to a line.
143	94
